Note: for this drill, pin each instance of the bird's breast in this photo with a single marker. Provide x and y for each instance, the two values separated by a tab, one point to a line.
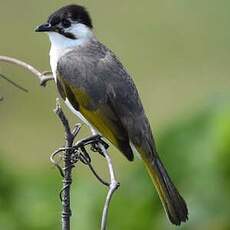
55	54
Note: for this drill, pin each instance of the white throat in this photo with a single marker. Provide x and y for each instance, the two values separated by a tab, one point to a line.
60	44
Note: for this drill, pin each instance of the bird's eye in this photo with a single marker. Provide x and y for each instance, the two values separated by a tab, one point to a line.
66	23
54	21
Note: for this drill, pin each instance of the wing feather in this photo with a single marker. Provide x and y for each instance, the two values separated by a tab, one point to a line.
85	81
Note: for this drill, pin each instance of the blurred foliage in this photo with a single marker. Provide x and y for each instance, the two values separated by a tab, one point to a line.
197	157
178	53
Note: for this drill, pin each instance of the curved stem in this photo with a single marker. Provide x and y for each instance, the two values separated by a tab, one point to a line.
97	176
112	188
43	78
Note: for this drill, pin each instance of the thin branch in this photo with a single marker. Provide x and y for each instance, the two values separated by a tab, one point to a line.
67	170
14	83
97	176
42	77
114	185
54	162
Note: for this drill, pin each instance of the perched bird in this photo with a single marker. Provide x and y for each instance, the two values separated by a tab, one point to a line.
97	88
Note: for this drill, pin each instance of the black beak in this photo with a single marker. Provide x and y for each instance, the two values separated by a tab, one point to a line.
47	27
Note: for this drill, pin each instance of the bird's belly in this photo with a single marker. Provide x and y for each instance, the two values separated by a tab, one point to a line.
80	116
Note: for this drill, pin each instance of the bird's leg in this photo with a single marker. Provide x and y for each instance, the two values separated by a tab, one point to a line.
87	140
95	146
45	77
80	154
79	151
93	141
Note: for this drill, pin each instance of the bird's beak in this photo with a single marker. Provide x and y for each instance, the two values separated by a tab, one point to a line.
46	27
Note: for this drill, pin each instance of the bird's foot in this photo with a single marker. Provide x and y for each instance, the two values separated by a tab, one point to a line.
94	141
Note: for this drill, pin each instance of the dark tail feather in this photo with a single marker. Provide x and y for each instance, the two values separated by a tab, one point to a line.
172	201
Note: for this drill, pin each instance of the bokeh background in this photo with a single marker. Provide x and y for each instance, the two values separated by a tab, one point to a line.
178	53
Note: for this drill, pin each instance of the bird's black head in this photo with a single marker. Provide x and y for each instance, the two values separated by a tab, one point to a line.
62	21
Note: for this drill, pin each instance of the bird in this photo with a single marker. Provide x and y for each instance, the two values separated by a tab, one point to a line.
98	89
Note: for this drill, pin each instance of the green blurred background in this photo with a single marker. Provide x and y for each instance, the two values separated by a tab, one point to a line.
178	53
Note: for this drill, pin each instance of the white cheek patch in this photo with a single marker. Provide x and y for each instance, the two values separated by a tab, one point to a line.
80	31
61	44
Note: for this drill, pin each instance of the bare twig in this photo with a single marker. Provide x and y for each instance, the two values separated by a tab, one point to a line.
112	188
67	171
14	83
97	176
42	77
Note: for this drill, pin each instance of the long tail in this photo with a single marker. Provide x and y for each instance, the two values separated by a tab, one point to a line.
173	203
